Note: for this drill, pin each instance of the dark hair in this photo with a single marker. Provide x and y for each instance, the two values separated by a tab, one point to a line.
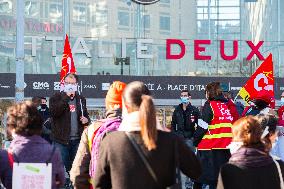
137	95
249	130
24	118
260	104
270	121
43	98
36	100
213	89
72	75
185	91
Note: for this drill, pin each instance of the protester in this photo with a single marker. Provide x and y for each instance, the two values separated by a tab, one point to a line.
184	121
5	170
120	165
279	148
25	123
36	100
93	135
251	166
260	104
69	116
44	110
213	135
45	114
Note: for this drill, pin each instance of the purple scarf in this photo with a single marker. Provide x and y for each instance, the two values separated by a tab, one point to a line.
108	126
250	157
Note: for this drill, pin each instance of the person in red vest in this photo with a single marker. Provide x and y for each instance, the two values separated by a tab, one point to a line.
212	136
278	148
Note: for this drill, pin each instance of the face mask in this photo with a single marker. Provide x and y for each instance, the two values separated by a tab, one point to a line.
235	146
70	88
43	106
184	100
282	101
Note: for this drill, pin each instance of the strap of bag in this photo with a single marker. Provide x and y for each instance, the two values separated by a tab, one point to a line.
11	159
51	155
142	156
279	173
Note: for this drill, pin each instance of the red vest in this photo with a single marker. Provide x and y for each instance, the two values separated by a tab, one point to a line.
219	134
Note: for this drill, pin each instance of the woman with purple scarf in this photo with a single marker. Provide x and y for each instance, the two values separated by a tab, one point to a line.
84	165
251	166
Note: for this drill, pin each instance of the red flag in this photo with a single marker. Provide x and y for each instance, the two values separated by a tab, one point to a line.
67	61
261	81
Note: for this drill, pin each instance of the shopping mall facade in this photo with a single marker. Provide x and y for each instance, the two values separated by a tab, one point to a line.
123	40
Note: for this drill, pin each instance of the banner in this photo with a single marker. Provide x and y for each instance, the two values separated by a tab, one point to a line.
96	86
261	80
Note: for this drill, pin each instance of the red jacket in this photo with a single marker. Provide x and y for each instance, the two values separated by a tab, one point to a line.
281	116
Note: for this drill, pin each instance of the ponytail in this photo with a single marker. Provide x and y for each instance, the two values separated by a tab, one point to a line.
147	115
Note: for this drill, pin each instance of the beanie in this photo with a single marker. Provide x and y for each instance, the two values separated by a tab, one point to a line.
114	94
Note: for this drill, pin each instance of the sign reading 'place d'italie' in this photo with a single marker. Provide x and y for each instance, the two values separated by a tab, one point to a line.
146	2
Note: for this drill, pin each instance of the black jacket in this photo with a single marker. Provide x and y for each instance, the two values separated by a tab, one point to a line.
235	177
187	129
123	168
44	114
61	116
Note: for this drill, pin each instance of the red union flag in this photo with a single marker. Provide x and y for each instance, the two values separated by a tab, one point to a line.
67	61
261	81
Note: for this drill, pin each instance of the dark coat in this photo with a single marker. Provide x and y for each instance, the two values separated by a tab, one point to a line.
187	129
5	170
61	116
119	165
265	177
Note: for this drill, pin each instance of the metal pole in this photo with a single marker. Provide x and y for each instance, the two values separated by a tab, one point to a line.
66	17
279	36
20	53
121	68
138	35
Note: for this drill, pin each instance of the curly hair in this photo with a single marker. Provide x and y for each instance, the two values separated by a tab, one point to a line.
24	118
249	131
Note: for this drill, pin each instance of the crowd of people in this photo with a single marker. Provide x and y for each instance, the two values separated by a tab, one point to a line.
220	146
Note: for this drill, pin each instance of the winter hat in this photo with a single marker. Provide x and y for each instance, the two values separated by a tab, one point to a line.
114	94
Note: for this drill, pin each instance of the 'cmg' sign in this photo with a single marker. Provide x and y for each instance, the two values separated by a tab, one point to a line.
199	46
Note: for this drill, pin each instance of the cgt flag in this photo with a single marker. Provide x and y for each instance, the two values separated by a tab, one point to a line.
67	62
261	80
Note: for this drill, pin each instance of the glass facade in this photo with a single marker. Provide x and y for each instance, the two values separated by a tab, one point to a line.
102	24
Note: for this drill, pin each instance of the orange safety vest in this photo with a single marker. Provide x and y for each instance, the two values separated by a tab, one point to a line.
219	134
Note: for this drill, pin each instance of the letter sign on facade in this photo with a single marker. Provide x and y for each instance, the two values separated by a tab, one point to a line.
145	2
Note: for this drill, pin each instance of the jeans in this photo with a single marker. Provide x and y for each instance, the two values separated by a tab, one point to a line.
68	152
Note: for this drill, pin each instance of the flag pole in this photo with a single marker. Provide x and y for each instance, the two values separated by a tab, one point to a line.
82	112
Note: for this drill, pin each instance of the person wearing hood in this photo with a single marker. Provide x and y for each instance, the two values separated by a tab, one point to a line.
140	155
85	161
259	105
213	135
251	165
